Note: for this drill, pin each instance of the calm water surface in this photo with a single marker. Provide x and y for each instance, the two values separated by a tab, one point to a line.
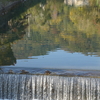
60	34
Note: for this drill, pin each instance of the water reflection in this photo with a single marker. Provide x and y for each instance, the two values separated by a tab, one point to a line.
52	25
6	56
39	87
60	27
38	36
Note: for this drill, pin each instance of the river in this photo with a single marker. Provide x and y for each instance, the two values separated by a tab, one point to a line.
61	37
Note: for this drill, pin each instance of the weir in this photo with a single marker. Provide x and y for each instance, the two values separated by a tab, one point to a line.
42	87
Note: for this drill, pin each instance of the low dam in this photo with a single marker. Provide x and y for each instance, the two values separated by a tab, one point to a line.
46	87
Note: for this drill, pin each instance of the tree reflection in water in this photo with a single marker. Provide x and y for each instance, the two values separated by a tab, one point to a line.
54	24
45	25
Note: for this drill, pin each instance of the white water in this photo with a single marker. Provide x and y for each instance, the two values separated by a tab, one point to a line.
39	87
77	2
13	99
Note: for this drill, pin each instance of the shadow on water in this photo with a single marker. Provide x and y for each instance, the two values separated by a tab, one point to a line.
6	55
14	10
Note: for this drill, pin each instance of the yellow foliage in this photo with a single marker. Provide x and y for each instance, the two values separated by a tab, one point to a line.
88	35
45	28
68	37
57	40
55	21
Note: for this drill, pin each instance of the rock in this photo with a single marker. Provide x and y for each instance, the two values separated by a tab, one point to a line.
27	16
47	72
1	71
24	72
10	72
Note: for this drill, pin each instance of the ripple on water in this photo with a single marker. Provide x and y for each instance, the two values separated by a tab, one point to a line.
61	72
